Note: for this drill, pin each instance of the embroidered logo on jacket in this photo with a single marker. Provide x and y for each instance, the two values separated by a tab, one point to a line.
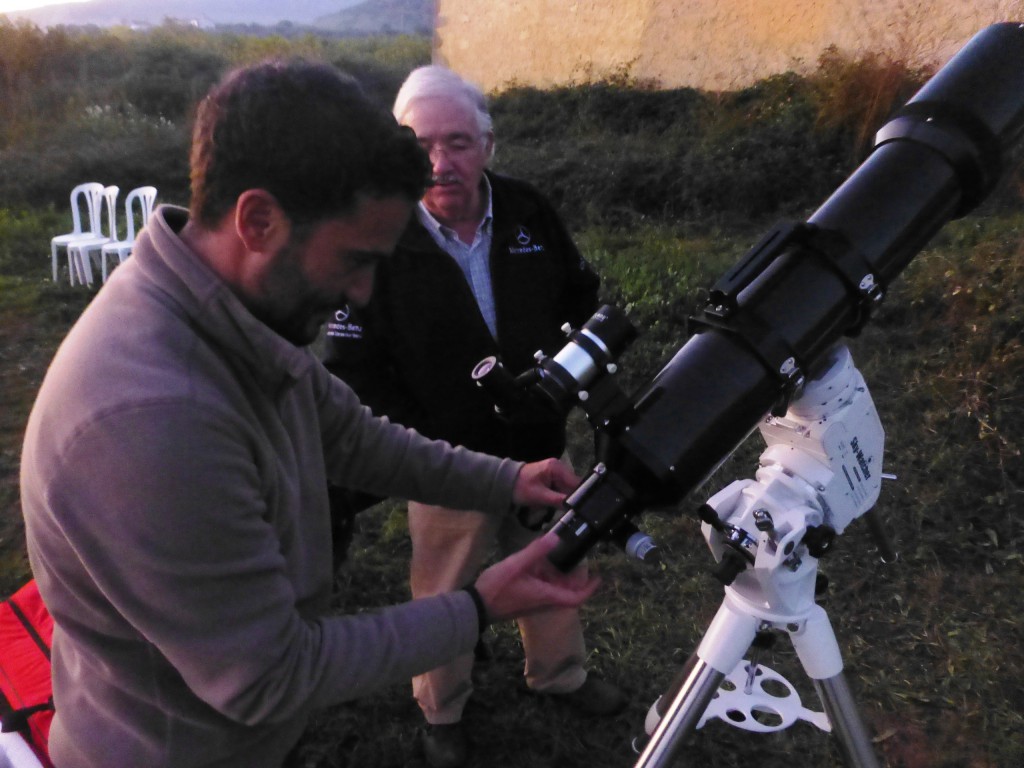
524	238
340	327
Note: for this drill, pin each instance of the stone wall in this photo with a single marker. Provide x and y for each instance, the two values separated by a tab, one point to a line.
711	44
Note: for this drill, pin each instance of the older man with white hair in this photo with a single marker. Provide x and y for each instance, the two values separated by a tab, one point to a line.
486	267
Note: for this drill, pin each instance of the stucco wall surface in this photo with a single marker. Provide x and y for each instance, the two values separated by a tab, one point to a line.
712	44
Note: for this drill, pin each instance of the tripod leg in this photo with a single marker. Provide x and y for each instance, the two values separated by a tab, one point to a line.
722	648
816	645
683	714
854	742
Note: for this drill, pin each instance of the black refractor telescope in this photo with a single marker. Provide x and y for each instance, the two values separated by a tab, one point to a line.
772	317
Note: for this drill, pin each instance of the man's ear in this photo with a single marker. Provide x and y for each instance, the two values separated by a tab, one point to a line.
260	222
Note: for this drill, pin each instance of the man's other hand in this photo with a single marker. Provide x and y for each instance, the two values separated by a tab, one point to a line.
544	484
526	582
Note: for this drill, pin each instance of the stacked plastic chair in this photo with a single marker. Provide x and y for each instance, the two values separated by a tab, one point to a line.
79	250
142	198
90	194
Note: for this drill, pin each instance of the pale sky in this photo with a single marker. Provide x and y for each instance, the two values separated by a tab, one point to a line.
22	5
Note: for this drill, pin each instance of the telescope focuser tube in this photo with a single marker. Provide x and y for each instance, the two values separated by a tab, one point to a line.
586	359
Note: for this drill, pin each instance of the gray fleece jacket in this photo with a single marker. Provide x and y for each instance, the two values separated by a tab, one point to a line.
173	483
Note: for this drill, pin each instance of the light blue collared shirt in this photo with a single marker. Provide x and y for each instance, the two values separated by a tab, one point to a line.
473	259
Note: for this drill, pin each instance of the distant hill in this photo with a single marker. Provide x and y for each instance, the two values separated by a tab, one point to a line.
406	17
206	13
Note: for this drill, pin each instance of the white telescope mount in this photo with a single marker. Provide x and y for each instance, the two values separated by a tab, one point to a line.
821	470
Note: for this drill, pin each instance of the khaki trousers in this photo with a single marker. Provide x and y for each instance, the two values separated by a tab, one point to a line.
449	548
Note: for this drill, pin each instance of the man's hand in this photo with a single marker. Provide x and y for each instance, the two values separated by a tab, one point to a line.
544	484
527	582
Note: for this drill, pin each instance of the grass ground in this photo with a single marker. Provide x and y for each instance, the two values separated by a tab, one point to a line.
34	316
932	643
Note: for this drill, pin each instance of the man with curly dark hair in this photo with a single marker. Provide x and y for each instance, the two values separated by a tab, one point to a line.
176	461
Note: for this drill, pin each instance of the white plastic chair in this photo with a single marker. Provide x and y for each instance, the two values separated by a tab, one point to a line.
79	262
91	193
144	197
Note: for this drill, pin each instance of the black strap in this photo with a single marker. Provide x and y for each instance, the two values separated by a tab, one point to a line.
17	719
30	629
481	609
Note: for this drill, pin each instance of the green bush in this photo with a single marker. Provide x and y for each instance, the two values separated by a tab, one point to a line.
116	106
101	144
856	95
167	77
609	153
25	239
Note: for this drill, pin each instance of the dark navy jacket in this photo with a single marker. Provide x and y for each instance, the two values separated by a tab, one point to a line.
409	353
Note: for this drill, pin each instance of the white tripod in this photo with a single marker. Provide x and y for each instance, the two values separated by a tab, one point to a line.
821	470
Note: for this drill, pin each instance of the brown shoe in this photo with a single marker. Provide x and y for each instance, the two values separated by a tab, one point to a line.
445	746
596	697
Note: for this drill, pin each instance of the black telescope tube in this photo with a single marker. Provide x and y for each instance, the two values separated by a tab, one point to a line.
934	161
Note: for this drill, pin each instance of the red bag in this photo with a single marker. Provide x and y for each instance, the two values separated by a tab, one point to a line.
26	693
